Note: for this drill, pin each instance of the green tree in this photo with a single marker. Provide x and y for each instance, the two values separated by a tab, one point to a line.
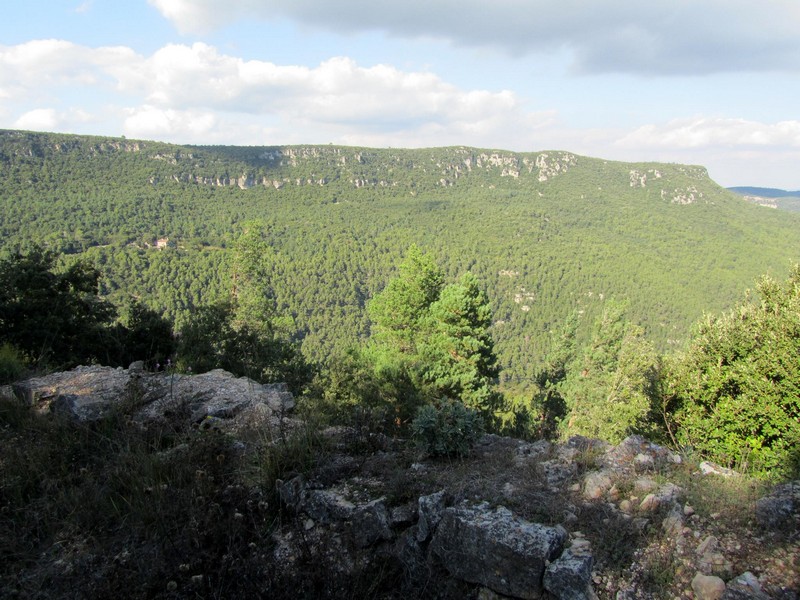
549	406
203	342
253	264
430	342
610	387
735	394
398	311
398	315
55	317
243	335
145	335
456	349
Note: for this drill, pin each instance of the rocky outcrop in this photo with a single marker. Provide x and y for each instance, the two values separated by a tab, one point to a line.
474	543
496	549
781	508
572	521
215	399
570	576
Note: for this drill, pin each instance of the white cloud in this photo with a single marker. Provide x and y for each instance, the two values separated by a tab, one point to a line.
183	92
39	65
709	132
50	119
337	92
652	37
155	123
40	119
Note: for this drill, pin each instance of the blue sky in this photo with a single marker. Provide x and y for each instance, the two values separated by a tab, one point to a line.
711	82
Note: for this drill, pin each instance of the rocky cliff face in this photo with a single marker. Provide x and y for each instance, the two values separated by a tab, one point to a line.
284	167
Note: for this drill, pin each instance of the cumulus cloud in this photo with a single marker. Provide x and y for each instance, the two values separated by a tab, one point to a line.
653	37
709	132
50	119
152	122
36	66
184	92
40	119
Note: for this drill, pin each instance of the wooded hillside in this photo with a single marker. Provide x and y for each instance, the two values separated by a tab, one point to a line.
546	233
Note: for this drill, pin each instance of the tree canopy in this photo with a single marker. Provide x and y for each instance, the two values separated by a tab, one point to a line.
736	392
54	316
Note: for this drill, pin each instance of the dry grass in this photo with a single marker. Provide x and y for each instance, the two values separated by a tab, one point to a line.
116	510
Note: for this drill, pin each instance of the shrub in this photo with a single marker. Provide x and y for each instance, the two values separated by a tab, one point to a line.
11	364
449	429
735	395
31	287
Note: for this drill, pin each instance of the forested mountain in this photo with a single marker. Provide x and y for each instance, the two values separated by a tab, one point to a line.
771	197
764	192
546	233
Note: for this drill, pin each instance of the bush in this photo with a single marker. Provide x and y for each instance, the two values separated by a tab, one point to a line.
449	429
735	395
54	315
12	366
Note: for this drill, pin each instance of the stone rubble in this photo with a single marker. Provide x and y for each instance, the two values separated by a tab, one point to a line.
516	530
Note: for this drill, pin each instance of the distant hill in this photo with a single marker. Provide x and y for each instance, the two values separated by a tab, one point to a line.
547	233
764	192
772	197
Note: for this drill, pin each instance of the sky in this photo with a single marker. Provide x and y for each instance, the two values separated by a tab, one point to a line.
709	82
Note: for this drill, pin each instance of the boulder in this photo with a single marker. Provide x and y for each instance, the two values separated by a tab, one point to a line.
569	577
557	472
635	453
745	587
665	495
781	508
370	524
327	506
707	587
710	558
86	394
496	549
431	509
710	468
596	484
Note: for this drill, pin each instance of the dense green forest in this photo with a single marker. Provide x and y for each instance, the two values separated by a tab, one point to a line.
546	234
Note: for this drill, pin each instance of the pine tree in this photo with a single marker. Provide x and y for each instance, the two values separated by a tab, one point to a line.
610	386
456	350
432	342
398	311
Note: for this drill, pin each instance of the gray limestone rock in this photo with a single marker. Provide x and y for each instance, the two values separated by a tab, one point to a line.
638	454
326	506
744	587
370	523
496	549
86	394
596	484
431	509
781	508
707	587
569	577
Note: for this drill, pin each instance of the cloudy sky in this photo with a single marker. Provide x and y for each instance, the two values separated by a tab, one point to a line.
712	82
